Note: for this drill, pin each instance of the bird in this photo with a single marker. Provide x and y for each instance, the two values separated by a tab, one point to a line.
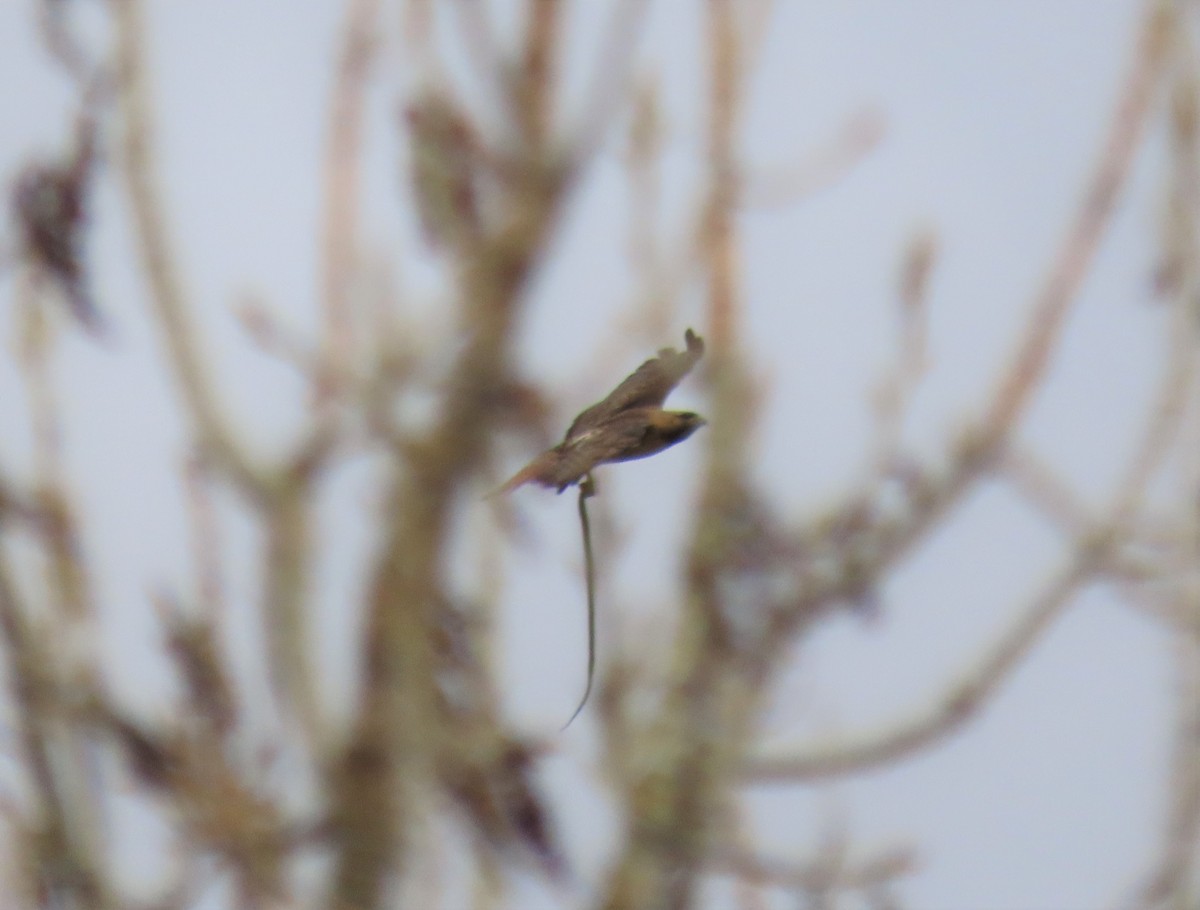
628	424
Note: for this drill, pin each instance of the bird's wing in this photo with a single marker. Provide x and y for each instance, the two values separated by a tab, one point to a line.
566	463
596	446
540	470
646	387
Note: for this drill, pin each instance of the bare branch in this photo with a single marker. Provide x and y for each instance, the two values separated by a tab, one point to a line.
141	172
342	178
1071	263
961	702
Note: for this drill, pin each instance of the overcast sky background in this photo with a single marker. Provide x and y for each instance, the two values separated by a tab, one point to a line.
993	114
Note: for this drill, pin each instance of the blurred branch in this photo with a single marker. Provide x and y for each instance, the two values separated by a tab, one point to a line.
960	702
1165	421
894	393
342	176
1171	884
1095	552
610	78
381	785
690	747
205	543
214	804
1071	263
1173	881
62	843
288	566
877	544
822	876
193	643
167	293
63	46
1042	487
430	773
535	88
717	676
720	246
52	505
480	38
779	186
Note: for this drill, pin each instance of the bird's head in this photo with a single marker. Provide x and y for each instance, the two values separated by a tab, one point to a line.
679	425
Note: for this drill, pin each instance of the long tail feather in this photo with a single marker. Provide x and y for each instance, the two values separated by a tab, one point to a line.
531	473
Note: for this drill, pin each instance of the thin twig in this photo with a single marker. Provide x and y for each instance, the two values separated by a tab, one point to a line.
610	79
68	866
1070	265
381	785
158	257
821	875
780	186
977	452
1042	487
339	226
895	393
961	701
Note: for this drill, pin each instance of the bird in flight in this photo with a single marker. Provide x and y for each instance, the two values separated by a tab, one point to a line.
630	423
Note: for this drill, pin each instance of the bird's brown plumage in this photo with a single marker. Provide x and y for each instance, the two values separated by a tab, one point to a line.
630	423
